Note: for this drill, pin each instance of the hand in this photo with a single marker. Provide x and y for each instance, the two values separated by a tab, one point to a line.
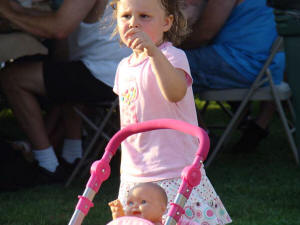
139	41
116	209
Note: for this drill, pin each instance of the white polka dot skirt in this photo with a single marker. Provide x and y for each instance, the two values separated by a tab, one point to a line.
204	207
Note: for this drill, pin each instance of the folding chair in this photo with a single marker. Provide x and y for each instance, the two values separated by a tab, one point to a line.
101	126
257	92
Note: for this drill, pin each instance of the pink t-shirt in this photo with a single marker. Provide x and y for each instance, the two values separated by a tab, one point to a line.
159	154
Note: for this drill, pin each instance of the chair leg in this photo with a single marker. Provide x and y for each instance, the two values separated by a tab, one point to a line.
92	143
86	169
203	110
201	122
99	149
288	132
284	120
228	112
229	128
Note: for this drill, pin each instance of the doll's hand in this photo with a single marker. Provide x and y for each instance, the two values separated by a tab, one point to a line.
116	209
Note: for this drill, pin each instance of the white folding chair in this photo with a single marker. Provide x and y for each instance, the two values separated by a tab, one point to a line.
257	92
101	125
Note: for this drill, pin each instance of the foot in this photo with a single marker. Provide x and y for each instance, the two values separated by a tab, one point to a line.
61	173
46	177
69	167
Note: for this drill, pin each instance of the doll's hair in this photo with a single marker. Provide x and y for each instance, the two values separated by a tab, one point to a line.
154	186
179	29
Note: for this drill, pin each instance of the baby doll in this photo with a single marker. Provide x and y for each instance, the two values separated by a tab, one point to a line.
145	200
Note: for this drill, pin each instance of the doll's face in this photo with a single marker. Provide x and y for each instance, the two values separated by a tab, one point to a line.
146	203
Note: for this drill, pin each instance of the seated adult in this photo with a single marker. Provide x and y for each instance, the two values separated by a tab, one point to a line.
87	76
228	45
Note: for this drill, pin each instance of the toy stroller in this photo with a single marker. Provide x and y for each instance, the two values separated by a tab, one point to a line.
100	171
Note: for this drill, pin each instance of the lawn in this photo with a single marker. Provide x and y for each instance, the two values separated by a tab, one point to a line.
261	188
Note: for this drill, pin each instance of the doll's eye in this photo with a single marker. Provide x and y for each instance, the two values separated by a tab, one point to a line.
144	202
130	203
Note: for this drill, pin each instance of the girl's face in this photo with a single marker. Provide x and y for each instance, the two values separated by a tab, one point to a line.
146	15
146	203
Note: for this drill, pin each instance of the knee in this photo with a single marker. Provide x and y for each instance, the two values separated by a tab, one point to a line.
8	78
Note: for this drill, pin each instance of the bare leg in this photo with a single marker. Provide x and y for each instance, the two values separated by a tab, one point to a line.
21	82
55	126
52	118
72	147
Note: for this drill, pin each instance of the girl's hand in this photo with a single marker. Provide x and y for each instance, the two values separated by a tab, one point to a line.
139	41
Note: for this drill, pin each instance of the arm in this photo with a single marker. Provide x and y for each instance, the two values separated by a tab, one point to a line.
116	209
210	22
171	81
57	24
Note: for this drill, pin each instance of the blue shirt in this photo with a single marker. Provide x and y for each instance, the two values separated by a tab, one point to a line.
246	38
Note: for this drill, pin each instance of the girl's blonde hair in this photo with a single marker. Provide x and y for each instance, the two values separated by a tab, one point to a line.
179	29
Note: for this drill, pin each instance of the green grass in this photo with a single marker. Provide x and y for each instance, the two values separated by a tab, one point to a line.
262	188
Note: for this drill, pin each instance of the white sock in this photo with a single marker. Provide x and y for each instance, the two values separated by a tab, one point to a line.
46	158
72	150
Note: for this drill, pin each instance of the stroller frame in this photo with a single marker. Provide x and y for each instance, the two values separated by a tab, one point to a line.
191	175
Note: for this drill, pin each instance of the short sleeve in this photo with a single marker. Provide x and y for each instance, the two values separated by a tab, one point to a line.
178	59
116	83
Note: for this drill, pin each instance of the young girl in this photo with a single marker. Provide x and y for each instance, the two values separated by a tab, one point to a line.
155	82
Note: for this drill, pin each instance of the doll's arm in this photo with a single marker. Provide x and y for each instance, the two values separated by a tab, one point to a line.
116	209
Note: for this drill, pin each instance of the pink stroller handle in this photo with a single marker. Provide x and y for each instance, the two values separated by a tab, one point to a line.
184	127
100	170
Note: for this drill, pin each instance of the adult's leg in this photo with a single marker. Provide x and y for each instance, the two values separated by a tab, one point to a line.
257	129
72	122
54	126
84	89
72	146
265	114
21	82
210	71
